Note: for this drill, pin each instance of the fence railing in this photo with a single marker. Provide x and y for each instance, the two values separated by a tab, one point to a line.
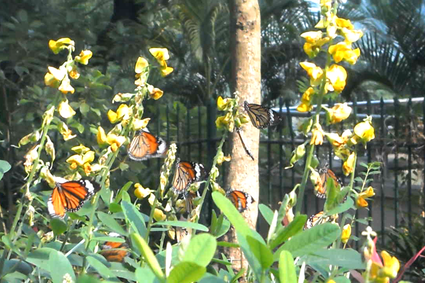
399	145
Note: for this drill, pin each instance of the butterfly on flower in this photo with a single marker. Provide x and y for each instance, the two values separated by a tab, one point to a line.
185	174
70	196
261	117
144	145
325	173
241	200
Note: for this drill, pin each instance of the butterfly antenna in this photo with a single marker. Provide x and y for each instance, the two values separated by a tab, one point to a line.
243	144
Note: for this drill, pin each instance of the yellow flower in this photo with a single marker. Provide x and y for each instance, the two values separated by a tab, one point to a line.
139	124
222	158
80	148
349	164
337	77
74	73
165	71
159	215
65	132
312	36
141	65
122	113
160	54
82	160
50	80
156	93
391	265
66	86
75	159
224	104
338	113
101	136
344	23
317	135
364	130
141	192
225	122
65	110
361	198
351	35
314	42
115	141
305	105
314	72
57	45
326	4
59	74
84	57
342	51
346	233
122	97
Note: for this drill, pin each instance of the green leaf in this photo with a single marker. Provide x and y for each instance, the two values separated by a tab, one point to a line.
284	233
108	239
40	258
58	226
134	217
248	252
183	224
115	207
266	212
311	240
287	271
342	279
100	267
61	267
209	278
338	257
349	203
145	274
186	272
84	109
111	223
261	252
4	166
148	255
201	249
227	244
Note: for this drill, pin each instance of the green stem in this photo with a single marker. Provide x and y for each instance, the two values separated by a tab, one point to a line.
304	180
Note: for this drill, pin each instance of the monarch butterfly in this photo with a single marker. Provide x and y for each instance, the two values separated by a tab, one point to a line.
114	251
241	200
145	145
70	196
186	173
325	173
319	218
261	117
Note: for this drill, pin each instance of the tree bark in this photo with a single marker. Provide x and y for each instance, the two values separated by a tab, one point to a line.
245	39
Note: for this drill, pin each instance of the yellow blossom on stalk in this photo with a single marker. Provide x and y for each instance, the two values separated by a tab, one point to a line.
314	72
66	132
326	4
161	55
351	35
222	158
225	122
159	215
66	86
50	80
337	77
30	157
305	105
317	135
58	74
57	45
82	160
312	36
343	51
166	71
338	113
141	192
141	65
74	73
361	198
337	140
65	110
314	42
122	97
139	124
122	113
349	164
364	130
80	149
156	93
224	104
346	233
84	57
101	136
344	23
115	141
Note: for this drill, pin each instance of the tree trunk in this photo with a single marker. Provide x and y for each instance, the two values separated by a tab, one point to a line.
245	39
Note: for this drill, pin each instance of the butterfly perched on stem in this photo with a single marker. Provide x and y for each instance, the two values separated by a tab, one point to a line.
70	196
320	187
114	251
185	174
241	200
144	145
261	117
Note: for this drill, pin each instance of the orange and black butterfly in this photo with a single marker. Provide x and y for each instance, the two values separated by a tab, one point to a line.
145	145
186	173
241	200
319	218
325	173
114	251
70	196
261	117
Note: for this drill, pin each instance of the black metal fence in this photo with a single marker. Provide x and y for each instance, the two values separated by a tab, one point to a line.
398	145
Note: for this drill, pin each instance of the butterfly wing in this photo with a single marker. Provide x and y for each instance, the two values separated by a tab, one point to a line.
114	251
70	196
241	200
325	173
260	116
186	173
145	146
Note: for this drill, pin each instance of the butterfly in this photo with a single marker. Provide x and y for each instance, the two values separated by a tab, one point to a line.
241	200
325	173
145	145
114	251
319	218
261	117
186	173
70	196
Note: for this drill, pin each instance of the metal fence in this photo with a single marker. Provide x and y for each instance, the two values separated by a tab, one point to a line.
398	145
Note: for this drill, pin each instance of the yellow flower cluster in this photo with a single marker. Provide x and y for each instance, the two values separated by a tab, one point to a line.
232	118
83	159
